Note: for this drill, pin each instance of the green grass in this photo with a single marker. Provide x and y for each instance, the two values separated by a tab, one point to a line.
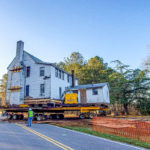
109	136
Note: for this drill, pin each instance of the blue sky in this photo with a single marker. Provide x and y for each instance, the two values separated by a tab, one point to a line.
52	29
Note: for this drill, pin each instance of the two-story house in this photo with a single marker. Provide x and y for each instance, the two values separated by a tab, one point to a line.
30	78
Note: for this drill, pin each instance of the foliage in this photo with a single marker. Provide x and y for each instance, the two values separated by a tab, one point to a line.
3	87
3	83
74	62
127	86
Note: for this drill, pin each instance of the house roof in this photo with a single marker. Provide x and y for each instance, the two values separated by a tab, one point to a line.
88	86
39	61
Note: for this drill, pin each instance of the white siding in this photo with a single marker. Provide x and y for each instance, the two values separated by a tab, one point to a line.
76	82
106	94
52	83
95	98
102	97
34	80
15	79
56	82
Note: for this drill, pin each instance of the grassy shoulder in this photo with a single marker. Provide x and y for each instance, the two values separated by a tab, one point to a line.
109	136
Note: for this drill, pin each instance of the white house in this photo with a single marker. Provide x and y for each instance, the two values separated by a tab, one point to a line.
34	79
91	93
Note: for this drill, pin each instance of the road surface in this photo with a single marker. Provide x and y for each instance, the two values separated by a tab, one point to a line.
48	137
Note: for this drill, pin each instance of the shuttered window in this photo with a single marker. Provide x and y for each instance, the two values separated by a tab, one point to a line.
27	90
42	89
42	71
28	71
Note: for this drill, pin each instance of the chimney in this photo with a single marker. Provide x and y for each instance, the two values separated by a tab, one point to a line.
72	78
19	50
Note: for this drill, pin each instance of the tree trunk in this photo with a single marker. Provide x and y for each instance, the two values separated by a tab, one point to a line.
126	108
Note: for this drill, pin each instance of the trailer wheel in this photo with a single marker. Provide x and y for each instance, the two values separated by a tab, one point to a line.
45	117
19	117
61	116
91	115
14	117
51	117
22	117
58	116
40	117
82	116
9	116
35	117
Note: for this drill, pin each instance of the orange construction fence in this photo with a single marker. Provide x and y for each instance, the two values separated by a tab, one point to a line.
138	130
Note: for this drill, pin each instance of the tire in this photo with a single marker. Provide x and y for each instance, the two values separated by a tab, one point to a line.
82	116
91	115
58	116
51	117
61	116
15	117
35	117
22	117
45	117
41	117
9	116
19	117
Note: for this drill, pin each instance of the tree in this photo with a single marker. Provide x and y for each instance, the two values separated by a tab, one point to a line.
3	87
95	71
141	91
75	58
74	62
128	85
146	63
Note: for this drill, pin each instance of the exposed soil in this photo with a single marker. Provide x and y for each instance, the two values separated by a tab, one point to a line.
135	118
79	122
64	122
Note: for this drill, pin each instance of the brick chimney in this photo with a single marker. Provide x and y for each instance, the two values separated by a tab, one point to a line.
19	50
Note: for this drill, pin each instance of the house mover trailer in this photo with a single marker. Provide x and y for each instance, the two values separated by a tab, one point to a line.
73	105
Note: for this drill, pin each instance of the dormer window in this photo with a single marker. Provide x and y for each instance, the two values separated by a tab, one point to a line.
42	71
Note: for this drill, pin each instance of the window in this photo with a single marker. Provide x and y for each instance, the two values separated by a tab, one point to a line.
42	71
63	75
95	91
60	92
68	77
27	90
42	89
28	72
56	72
60	74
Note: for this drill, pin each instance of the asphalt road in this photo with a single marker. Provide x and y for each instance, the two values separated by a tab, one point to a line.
48	137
